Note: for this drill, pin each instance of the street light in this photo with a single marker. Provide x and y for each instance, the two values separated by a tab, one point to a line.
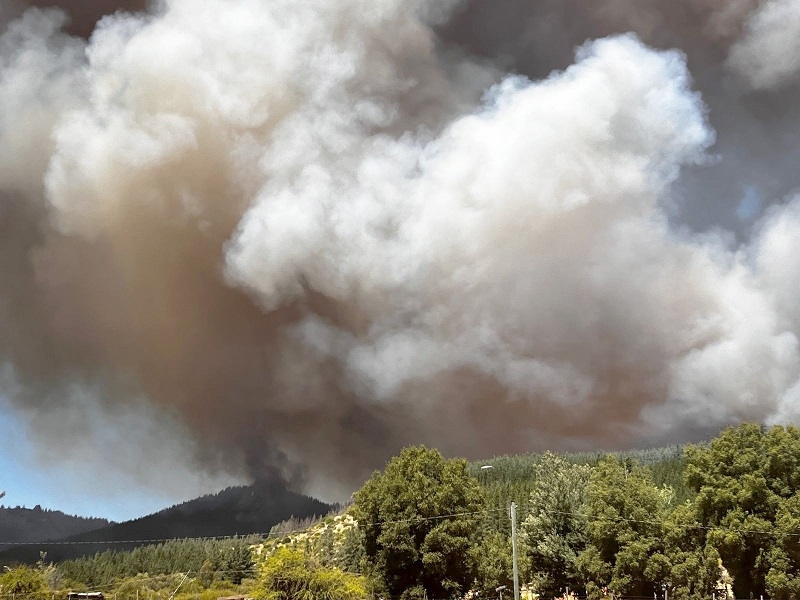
499	590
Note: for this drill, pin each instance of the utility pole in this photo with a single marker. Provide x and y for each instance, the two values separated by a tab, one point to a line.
514	548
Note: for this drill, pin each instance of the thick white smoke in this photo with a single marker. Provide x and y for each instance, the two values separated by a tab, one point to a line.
768	56
316	234
461	248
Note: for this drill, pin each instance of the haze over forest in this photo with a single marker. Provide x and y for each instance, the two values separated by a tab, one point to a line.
280	240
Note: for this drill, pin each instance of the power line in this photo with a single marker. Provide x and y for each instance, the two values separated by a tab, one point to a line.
416	519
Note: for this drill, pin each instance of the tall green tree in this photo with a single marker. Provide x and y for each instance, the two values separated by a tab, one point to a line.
695	564
553	533
625	530
237	562
782	581
493	562
351	554
745	481
419	518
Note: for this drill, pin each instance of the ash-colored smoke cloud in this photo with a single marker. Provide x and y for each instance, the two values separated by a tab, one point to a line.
756	151
315	231
768	56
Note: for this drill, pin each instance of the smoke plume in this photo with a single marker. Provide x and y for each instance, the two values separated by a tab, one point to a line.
308	233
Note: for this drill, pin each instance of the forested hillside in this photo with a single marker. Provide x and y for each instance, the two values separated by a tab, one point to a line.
514	477
33	524
239	510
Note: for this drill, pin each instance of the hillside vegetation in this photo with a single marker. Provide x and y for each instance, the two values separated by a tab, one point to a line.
718	519
31	524
514	477
239	510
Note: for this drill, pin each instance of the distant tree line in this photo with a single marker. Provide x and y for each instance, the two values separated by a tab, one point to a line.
226	559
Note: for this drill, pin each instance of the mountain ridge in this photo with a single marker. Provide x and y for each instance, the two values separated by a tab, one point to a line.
236	510
19	524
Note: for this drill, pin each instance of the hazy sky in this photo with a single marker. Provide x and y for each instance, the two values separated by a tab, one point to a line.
74	485
28	482
52	483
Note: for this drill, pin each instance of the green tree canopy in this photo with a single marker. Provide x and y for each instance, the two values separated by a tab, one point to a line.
493	563
746	481
24	582
624	530
553	532
782	580
695	565
419	522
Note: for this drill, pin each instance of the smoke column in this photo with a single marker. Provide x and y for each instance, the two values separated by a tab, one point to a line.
304	234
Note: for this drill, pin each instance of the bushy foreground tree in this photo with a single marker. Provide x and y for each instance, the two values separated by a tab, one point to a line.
24	582
493	564
420	522
625	513
553	534
746	507
291	575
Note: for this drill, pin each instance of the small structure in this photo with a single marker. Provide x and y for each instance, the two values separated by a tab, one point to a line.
86	596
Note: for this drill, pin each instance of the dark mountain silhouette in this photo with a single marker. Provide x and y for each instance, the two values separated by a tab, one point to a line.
237	510
34	524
